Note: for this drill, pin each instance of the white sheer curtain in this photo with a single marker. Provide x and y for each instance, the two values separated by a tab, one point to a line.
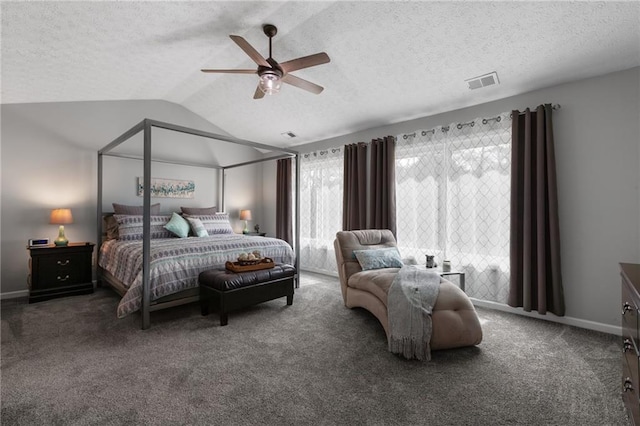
321	181
453	192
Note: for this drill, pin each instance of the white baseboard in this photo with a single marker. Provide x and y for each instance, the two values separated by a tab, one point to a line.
576	322
320	271
14	294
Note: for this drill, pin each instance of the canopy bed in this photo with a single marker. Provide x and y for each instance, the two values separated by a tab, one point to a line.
134	267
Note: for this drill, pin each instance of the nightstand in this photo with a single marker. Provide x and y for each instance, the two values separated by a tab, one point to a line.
60	271
256	234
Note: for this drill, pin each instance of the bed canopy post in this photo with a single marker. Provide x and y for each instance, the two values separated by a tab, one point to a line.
99	217
296	236
222	183
146	228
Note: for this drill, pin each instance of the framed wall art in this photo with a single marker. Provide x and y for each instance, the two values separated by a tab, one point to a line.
168	188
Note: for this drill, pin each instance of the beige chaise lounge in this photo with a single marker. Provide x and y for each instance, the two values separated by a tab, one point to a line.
454	319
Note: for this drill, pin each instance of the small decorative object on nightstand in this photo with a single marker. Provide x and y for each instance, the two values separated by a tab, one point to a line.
446	266
60	271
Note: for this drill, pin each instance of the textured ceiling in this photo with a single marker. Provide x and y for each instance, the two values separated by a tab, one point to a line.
390	61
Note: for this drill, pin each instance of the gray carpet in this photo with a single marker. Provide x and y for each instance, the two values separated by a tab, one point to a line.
71	362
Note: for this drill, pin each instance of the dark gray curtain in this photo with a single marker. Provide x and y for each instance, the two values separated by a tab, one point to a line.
284	212
354	201
382	195
536	281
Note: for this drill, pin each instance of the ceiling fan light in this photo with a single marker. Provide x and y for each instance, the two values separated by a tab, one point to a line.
270	82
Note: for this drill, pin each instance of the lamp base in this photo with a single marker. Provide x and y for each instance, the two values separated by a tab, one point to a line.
61	241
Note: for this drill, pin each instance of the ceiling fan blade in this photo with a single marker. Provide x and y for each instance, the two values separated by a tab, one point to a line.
259	93
305	62
302	84
231	71
249	50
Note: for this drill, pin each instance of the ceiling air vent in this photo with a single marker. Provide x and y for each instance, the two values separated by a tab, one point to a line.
289	134
483	81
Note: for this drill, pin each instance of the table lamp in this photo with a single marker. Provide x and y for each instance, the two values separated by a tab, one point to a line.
246	216
61	217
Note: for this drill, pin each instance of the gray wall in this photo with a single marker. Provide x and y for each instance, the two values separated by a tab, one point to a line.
49	159
597	134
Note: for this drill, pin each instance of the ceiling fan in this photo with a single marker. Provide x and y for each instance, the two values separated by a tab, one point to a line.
271	73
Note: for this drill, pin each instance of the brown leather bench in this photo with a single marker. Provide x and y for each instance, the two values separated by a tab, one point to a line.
227	291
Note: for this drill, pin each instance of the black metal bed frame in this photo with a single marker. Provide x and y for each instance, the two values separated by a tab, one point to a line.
145	127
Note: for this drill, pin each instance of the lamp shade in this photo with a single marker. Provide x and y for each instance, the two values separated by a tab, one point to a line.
61	216
245	214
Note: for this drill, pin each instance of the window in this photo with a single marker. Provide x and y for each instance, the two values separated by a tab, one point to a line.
321	178
453	200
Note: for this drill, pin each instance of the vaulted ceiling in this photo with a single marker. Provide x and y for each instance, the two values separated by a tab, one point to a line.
390	61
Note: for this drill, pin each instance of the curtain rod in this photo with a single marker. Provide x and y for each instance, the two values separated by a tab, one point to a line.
321	152
486	120
470	123
553	107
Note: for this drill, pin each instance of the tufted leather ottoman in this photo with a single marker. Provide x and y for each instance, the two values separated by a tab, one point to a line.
227	290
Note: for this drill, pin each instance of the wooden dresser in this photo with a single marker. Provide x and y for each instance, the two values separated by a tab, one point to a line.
630	273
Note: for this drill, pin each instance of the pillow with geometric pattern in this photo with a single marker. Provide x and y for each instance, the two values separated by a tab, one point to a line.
388	257
130	227
197	227
215	224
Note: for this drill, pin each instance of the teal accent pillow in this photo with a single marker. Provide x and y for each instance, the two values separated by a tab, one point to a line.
178	226
197	227
379	258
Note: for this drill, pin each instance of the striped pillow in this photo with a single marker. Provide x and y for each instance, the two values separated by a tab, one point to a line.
130	227
215	224
197	227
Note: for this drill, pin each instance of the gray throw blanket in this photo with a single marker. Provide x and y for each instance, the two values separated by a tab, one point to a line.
409	304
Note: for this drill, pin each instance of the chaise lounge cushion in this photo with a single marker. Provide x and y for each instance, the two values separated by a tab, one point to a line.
454	319
376	282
